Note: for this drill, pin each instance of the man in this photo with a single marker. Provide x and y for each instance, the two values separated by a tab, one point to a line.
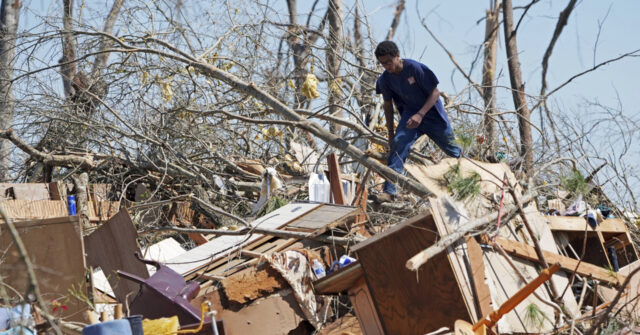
413	88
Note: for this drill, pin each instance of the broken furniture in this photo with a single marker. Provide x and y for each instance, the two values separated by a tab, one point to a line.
164	294
388	298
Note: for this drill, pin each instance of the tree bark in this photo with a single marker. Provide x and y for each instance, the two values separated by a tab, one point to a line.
517	89
334	52
488	79
9	17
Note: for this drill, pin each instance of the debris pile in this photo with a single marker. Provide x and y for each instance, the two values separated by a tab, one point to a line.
479	256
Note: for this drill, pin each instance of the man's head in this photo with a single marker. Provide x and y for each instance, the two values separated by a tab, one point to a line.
388	55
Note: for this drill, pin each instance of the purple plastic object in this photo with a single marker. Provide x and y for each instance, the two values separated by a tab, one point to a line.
164	294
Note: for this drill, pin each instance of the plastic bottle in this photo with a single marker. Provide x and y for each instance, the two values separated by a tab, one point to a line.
318	269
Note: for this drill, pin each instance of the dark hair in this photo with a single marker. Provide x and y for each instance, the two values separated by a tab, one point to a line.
387	48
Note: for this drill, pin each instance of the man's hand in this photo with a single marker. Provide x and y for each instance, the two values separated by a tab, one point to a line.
414	121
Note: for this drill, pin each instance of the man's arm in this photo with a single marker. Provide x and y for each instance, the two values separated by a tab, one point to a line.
414	121
387	105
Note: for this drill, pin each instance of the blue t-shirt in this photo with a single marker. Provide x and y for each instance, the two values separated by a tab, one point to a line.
410	89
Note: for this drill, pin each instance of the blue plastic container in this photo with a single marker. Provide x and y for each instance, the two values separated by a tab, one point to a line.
71	204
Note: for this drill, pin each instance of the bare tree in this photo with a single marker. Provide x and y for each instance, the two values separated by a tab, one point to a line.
517	89
9	17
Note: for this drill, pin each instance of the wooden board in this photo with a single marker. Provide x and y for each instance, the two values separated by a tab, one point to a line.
111	247
339	281
630	301
102	210
481	289
409	302
322	217
202	255
365	308
335	180
491	175
547	242
253	283
447	218
276	314
34	209
25	191
55	249
576	223
584	269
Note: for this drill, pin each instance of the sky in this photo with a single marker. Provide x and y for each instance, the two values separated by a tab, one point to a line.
597	31
455	23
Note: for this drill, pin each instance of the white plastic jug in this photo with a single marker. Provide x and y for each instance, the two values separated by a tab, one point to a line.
319	188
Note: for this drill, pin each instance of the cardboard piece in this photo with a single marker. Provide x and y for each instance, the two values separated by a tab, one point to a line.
55	249
111	247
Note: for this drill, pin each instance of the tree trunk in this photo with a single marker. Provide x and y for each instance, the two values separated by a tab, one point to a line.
517	90
9	15
396	20
334	52
488	80
80	184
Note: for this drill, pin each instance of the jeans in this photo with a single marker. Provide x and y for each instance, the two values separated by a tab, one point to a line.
433	125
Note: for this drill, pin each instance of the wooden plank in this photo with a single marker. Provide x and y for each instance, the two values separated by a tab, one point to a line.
209	252
365	308
34	209
409	302
447	219
576	223
25	191
481	289
56	251
339	281
335	180
630	301
584	269
111	247
322	217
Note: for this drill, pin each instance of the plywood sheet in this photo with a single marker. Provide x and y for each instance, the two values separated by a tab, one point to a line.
491	175
576	223
630	302
410	303
199	256
55	249
276	314
447	218
322	216
547	243
111	247
25	191
504	283
34	209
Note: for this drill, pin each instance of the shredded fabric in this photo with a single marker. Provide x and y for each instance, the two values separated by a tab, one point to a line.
295	268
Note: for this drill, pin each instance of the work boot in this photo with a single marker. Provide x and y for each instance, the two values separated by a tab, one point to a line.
383	197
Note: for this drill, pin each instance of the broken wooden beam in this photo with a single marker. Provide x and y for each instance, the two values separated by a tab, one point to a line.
422	257
335	179
527	252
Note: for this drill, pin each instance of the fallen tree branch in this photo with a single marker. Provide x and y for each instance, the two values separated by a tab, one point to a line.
264	231
422	257
49	159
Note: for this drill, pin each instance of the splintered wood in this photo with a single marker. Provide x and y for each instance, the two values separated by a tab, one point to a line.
252	283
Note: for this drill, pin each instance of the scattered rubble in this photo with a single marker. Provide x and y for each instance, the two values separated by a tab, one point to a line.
460	263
